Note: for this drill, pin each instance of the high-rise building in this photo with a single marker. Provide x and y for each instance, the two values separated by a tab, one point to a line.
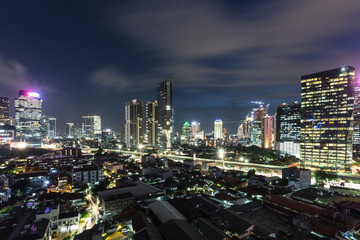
166	114
195	127
258	114
266	132
287	129
70	130
134	134
185	133
327	108
247	127
51	128
218	129
28	117
152	122
4	110
356	134
240	133
91	126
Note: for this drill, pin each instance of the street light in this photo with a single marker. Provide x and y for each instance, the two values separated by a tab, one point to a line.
221	156
141	147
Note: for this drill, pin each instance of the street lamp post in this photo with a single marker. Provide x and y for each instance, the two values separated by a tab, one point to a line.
141	147
221	156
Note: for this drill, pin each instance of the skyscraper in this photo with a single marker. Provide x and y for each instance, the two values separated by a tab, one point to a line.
327	107
91	126
166	114
266	132
4	110
258	115
356	134
70	130
218	129
152	122
28	117
287	130
240	132
134	134
185	133
51	128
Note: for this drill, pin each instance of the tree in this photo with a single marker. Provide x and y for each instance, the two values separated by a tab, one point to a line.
322	176
251	173
20	186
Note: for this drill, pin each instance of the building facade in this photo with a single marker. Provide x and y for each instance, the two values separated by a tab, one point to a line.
134	133
166	114
91	126
185	133
327	120
69	130
28	110
266	132
152	122
51	128
257	115
287	129
4	110
218	129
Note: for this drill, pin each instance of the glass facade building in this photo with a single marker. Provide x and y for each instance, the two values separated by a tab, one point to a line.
327	119
91	126
287	129
4	110
288	122
166	114
134	133
152	121
28	112
218	129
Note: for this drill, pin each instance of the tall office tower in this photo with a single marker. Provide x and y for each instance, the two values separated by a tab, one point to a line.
91	126
70	130
134	134
247	127
287	129
218	129
195	127
240	132
356	134
122	133
28	118
166	114
266	132
152	122
4	111
258	115
51	128
327	108
185	133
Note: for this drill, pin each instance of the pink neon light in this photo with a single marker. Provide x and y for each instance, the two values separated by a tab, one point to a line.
33	94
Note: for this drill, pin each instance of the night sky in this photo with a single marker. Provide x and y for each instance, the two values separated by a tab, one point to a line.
89	57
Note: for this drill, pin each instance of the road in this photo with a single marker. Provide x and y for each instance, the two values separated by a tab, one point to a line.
94	211
234	163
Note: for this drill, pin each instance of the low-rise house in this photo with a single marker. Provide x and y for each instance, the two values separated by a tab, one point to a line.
299	178
68	222
209	230
179	229
163	211
115	203
86	174
37	179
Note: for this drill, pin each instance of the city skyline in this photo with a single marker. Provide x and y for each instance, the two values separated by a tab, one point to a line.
230	54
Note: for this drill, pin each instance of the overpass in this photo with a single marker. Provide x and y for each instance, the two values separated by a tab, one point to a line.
343	175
